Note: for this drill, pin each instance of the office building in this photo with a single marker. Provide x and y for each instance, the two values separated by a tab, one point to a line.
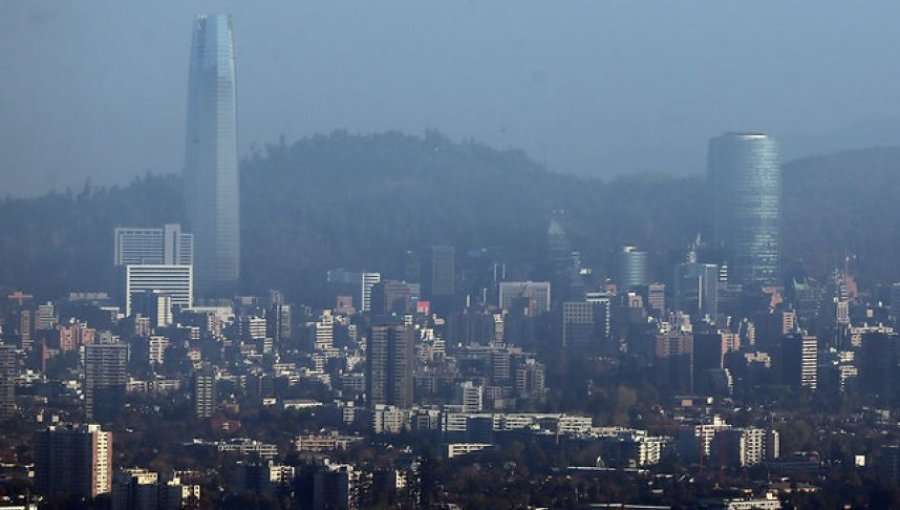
174	281
530	379
105	377
633	269
278	322
324	331
675	362
252	328
154	305
7	381
439	272
578	329
696	290
470	397
799	357
391	297
367	283
211	191
390	360
204	386
536	296
73	460
602	314
167	245
878	359
744	178
45	318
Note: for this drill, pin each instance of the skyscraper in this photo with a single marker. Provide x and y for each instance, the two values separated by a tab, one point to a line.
390	358
211	166
7	381
105	376
745	182
204	392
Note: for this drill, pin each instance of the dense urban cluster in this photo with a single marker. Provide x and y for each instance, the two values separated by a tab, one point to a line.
711	375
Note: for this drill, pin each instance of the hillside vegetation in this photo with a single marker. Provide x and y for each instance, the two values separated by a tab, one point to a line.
360	202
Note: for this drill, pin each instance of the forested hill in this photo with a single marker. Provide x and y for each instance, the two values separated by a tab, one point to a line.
360	202
841	204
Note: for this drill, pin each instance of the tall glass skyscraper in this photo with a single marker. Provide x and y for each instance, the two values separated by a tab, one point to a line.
211	168
745	183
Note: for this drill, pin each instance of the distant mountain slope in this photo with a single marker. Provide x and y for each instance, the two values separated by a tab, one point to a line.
845	203
360	201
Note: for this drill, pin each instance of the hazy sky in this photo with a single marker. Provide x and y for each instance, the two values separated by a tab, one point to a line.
603	88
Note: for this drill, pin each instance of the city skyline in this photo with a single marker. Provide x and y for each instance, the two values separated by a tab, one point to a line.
353	321
301	66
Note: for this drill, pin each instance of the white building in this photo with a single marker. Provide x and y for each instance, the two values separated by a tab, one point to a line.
175	281
166	245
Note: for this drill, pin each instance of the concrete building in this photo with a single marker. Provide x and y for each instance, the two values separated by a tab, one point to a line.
390	360
7	381
105	377
73	460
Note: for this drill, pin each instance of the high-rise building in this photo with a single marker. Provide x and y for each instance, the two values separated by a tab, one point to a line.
174	281
470	396
578	330
211	164
166	245
368	281
154	305
709	351
537	295
204	393
7	381
633	269
530	378
105	377
73	460
674	364
697	290
391	296
390	359
45	317
278	322
745	183
324	331
799	360
439	272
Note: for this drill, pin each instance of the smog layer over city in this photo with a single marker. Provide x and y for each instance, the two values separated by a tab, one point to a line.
449	255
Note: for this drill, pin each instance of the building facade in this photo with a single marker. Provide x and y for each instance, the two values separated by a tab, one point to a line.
211	164
105	379
744	178
73	459
390	359
166	245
